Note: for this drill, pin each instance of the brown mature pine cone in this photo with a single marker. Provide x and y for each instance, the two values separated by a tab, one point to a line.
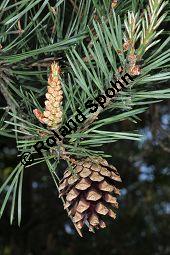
90	192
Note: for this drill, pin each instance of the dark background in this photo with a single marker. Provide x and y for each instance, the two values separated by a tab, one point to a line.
142	225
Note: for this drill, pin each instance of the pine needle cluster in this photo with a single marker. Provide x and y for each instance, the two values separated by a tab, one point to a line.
85	43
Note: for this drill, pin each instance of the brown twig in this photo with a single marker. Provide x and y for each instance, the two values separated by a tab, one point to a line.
19	31
44	62
93	117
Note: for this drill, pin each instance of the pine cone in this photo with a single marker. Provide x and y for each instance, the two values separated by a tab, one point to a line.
90	193
52	116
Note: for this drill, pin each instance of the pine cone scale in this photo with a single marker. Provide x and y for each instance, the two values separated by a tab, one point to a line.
90	193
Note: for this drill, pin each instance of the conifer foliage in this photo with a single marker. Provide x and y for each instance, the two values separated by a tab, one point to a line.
100	42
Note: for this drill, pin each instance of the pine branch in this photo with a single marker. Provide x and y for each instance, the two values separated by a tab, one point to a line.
95	115
87	71
150	22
